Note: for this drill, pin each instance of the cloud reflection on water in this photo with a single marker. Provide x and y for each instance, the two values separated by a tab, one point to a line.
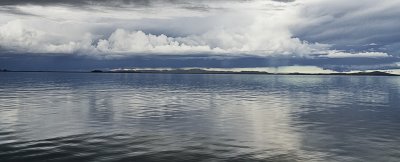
223	116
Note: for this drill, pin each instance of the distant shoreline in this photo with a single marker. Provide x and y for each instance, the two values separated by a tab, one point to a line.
375	73
200	71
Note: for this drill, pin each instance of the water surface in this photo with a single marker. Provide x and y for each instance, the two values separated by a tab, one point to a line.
183	117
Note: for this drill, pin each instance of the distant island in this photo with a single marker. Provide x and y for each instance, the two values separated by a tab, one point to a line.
182	71
202	71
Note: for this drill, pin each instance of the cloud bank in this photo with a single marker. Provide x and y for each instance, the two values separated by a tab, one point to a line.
255	37
276	28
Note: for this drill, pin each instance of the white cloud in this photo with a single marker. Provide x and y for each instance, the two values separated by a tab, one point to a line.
138	42
16	36
340	54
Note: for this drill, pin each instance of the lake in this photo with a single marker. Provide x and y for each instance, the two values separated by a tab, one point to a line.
196	117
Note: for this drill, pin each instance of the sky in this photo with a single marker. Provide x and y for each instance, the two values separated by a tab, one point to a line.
337	35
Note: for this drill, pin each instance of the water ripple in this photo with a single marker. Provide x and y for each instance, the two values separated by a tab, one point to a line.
153	117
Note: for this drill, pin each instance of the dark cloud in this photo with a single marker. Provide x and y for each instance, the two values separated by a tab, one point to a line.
74	62
285	1
8	6
15	11
121	3
354	26
73	2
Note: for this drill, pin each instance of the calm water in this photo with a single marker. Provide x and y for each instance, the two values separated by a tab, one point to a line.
163	117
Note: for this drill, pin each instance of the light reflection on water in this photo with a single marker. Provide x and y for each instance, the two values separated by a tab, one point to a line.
166	117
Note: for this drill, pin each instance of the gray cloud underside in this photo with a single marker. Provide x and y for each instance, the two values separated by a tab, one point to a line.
68	62
15	11
353	25
327	33
119	3
284	1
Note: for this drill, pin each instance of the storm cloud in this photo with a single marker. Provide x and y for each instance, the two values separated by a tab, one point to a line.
357	25
101	29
